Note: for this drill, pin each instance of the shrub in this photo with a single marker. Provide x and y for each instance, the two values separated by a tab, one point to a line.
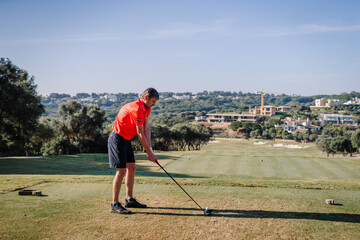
59	146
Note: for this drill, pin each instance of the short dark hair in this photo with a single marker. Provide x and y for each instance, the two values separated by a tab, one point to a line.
151	92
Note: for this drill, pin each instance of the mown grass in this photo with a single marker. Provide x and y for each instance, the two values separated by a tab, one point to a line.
253	199
80	211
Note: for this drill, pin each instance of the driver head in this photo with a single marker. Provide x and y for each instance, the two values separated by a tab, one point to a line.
207	211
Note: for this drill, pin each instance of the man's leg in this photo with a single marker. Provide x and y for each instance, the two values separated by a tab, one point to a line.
129	180
119	176
116	206
130	201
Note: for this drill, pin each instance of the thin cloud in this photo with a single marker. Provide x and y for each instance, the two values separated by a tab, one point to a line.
84	38
182	30
186	29
171	31
305	29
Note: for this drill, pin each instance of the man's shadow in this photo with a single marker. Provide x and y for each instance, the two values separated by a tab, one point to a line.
333	217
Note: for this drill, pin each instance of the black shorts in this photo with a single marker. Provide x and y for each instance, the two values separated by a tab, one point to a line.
120	151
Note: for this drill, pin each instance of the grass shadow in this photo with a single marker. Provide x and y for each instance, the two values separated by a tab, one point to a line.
333	217
80	164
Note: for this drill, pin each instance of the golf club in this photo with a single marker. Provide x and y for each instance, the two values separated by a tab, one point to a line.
207	211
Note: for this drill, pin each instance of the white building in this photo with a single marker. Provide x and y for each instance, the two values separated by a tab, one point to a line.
229	118
292	125
111	98
183	97
88	99
355	101
327	103
337	119
201	118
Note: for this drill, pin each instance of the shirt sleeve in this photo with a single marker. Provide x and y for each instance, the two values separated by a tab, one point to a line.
139	116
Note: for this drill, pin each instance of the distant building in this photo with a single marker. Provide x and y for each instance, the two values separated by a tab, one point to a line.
283	109
229	118
183	97
354	101
111	98
88	99
327	103
201	118
268	110
337	119
292	125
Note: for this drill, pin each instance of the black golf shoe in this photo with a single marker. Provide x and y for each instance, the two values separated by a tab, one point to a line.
117	208
132	203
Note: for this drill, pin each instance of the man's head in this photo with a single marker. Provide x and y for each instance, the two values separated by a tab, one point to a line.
150	97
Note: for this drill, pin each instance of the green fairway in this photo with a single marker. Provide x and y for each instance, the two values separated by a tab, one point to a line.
246	158
80	211
240	158
281	197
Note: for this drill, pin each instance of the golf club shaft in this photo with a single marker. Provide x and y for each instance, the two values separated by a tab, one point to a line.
178	185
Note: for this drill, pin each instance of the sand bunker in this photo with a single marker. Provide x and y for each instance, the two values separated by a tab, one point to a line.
287	146
258	143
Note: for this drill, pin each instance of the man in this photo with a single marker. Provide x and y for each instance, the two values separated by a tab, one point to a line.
132	119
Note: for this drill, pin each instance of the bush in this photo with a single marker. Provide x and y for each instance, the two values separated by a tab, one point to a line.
59	146
235	125
323	143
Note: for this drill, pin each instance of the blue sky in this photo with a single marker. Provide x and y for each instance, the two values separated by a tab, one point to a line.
279	46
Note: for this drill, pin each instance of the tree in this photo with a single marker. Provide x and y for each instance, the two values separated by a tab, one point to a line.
190	137
20	108
47	129
59	96
82	95
82	125
329	131
202	135
338	145
272	132
161	137
256	133
59	145
323	143
349	148
266	134
313	137
306	136
235	125
355	139
298	136
287	135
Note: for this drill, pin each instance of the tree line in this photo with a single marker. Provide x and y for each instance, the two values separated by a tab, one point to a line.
339	140
180	137
78	129
26	130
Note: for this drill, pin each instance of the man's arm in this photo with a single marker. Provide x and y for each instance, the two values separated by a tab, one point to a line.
147	133
144	139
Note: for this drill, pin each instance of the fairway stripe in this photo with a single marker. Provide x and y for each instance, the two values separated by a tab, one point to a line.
306	167
342	169
324	167
298	168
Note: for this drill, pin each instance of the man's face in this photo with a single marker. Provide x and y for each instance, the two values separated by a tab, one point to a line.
149	102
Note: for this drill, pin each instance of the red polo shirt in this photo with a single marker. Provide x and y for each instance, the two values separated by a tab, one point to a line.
129	116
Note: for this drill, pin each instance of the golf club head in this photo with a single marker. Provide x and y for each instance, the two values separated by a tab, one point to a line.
208	211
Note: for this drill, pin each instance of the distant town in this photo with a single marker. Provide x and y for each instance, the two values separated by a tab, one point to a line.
247	107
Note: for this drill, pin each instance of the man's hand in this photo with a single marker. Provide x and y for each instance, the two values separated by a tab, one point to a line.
146	141
151	157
